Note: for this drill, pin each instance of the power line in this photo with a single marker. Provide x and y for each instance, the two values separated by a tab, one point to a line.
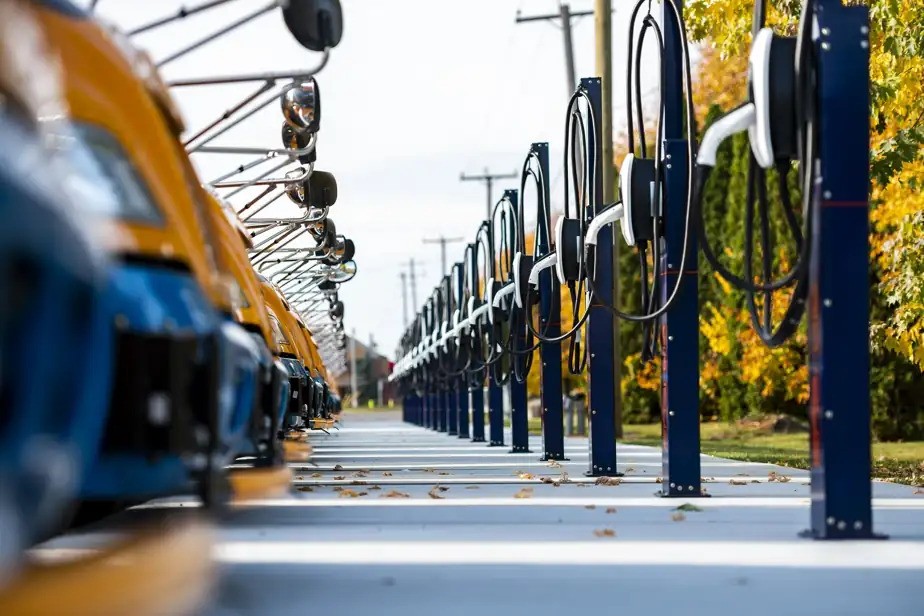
442	241
412	276
488	178
565	16
403	276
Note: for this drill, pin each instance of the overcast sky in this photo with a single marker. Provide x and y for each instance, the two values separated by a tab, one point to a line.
417	92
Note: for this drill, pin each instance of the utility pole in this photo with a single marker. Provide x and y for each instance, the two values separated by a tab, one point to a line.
603	29
354	387
404	297
442	241
488	178
413	277
564	15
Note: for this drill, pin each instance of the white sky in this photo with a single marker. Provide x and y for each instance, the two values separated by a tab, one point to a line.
417	92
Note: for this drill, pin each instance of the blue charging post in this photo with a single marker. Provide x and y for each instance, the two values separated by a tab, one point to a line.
462	396
600	323
413	401
553	434
476	393
424	410
495	411
680	453
459	384
839	406
519	420
519	415
442	410
434	411
452	409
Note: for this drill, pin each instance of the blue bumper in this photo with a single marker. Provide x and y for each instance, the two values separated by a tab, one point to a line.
184	386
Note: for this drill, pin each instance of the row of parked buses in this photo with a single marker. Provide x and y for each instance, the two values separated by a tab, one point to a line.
157	337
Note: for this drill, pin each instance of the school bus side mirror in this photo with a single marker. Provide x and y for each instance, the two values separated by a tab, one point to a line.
316	24
321	189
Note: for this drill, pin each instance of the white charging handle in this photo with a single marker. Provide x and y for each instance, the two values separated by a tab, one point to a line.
610	215
759	77
559	244
549	260
517	259
504	291
720	130
489	299
625	191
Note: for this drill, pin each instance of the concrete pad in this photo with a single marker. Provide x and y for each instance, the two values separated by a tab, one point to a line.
388	518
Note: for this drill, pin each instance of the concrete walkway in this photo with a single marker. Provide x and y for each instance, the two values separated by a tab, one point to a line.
394	519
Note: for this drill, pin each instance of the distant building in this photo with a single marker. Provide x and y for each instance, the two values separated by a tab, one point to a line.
372	370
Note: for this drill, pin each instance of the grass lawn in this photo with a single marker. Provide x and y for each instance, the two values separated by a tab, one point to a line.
899	462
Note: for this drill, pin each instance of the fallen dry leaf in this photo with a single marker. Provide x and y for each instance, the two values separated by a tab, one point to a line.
630	469
688	507
375	487
608	481
604	532
338	468
564	478
340	477
347	493
524	493
338	488
386	474
429	470
611	509
305	489
678	517
435	492
583	485
737	482
525	475
443	473
471	487
774	476
590	506
360	474
395	494
554	464
659	480
299	478
315	475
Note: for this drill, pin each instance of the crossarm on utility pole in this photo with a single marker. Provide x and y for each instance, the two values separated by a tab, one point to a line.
488	178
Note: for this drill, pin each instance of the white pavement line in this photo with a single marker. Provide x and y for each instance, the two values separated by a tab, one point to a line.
470	479
476	453
324	452
790	554
718	502
301	466
428	447
388	456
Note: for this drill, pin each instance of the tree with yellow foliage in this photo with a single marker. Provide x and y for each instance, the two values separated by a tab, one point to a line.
897	215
